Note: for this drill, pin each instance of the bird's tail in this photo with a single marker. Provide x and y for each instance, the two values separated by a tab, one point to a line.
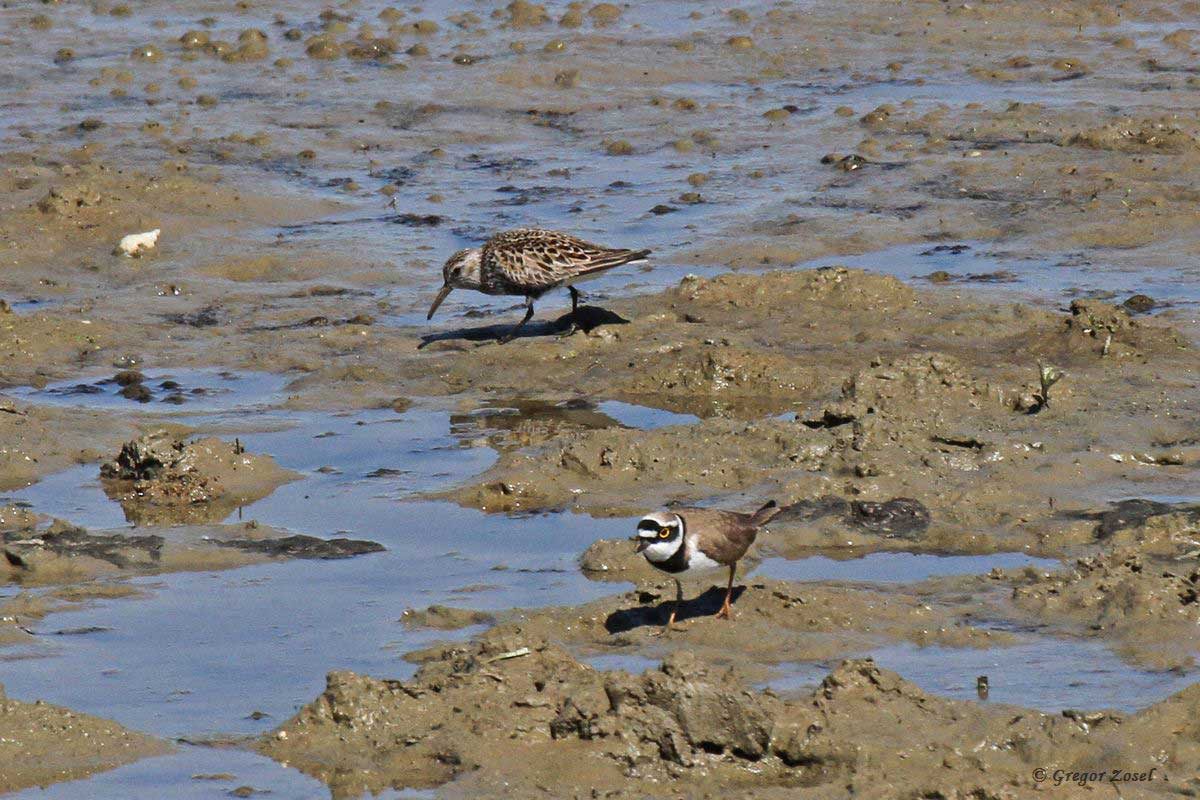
614	258
767	513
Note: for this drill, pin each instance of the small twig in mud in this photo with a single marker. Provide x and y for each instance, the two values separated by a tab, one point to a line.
1048	376
523	651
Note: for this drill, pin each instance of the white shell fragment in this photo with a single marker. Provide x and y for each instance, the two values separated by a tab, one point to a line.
135	244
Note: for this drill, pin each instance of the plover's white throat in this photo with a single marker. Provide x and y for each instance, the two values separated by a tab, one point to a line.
530	262
690	539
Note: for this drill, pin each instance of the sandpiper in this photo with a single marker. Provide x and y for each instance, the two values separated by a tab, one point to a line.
688	539
530	262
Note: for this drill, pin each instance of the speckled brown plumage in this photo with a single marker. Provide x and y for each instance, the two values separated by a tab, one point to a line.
531	261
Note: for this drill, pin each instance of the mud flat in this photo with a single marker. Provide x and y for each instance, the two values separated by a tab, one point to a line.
1025	400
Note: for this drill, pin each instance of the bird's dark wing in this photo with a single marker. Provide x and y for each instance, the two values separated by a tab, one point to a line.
723	536
538	260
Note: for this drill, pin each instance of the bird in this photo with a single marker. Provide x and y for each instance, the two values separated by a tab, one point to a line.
530	262
686	539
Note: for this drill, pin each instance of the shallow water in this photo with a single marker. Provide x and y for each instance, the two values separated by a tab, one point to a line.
204	650
198	773
188	391
1049	673
1045	672
1054	280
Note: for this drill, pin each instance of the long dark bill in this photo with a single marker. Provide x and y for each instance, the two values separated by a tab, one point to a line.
437	301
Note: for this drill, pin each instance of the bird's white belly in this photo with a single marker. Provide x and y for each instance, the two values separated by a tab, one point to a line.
698	562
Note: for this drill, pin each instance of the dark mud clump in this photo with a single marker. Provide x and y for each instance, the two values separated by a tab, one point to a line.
35	553
900	517
161	478
26	549
518	714
300	546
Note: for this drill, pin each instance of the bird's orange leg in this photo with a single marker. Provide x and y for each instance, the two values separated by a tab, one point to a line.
726	611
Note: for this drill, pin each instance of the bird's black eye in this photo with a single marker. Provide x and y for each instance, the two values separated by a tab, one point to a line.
665	533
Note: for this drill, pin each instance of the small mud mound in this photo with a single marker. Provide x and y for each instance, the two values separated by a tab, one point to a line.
614	465
42	744
159	478
1135	136
520	714
444	618
1143	590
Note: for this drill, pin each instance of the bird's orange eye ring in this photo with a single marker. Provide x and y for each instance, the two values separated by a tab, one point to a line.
664	533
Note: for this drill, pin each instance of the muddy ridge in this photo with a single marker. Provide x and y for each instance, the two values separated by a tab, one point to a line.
688	728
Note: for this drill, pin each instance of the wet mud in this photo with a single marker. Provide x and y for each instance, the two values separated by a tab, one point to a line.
924	278
43	744
516	716
52	552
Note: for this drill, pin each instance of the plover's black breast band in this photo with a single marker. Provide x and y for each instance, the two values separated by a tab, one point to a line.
678	562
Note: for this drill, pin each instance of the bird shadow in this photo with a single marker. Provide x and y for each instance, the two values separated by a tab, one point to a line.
704	605
587	318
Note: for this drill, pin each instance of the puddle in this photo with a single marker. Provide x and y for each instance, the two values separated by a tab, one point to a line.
1055	281
74	494
1047	673
522	421
263	637
630	662
357	467
198	773
1044	672
163	391
31	305
896	567
644	417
